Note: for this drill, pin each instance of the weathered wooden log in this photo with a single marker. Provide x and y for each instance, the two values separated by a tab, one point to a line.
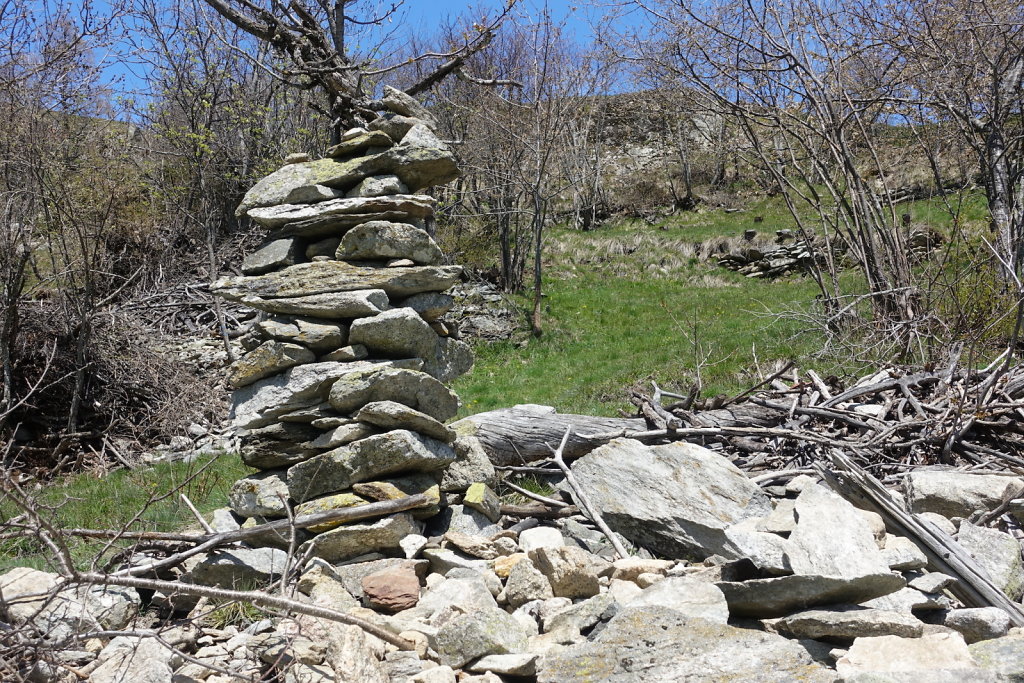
527	433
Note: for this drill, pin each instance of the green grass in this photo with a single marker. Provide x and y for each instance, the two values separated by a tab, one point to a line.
147	499
630	303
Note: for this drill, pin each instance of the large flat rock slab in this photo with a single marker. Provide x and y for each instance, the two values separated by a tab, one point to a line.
782	595
303	386
831	537
660	645
326	277
417	206
677	499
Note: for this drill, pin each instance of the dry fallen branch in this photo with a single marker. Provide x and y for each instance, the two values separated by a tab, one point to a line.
973	587
588	508
257	598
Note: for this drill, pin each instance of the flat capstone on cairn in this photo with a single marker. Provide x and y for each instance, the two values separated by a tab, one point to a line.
340	398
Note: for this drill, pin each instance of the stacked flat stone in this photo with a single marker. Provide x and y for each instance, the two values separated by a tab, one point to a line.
341	398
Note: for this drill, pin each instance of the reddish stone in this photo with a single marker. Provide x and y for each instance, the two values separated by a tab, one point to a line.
393	589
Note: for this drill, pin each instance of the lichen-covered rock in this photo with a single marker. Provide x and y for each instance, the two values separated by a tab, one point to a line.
846	622
659	644
414	206
930	655
337	501
689	596
260	495
267	359
1003	656
418	168
301	387
481	498
352	540
831	538
277	445
398	333
360	143
569	570
378	186
998	553
32	597
778	596
381	240
956	494
373	457
526	583
395	125
332	305
394	415
239	568
471	465
481	632
279	186
407	105
417	390
452	358
315	335
978	623
329	277
430	305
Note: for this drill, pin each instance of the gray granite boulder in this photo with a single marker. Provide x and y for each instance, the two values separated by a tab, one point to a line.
397	333
831	538
846	622
328	277
360	538
301	387
484	631
660	645
778	596
315	335
260	495
430	305
267	359
279	253
676	499
238	568
382	240
330	305
373	457
379	186
417	390
998	553
277	445
394	415
955	493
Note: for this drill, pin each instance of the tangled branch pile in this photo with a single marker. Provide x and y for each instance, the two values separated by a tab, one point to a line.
890	420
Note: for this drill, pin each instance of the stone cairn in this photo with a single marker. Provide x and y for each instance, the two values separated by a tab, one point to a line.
340	399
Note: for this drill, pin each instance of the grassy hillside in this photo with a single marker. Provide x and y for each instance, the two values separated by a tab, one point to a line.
631	302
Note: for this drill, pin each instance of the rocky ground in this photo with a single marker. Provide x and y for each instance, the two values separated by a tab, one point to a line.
776	582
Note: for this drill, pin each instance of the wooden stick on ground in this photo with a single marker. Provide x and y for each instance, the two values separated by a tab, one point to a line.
588	509
258	598
351	514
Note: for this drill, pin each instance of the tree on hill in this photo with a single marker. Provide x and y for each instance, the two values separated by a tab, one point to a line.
314	37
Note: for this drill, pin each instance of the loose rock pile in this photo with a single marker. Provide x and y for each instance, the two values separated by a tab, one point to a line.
760	261
780	261
772	583
340	399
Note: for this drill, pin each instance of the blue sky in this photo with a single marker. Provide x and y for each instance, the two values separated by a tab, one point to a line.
418	15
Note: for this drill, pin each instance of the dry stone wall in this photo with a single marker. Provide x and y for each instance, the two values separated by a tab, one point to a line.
341	397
